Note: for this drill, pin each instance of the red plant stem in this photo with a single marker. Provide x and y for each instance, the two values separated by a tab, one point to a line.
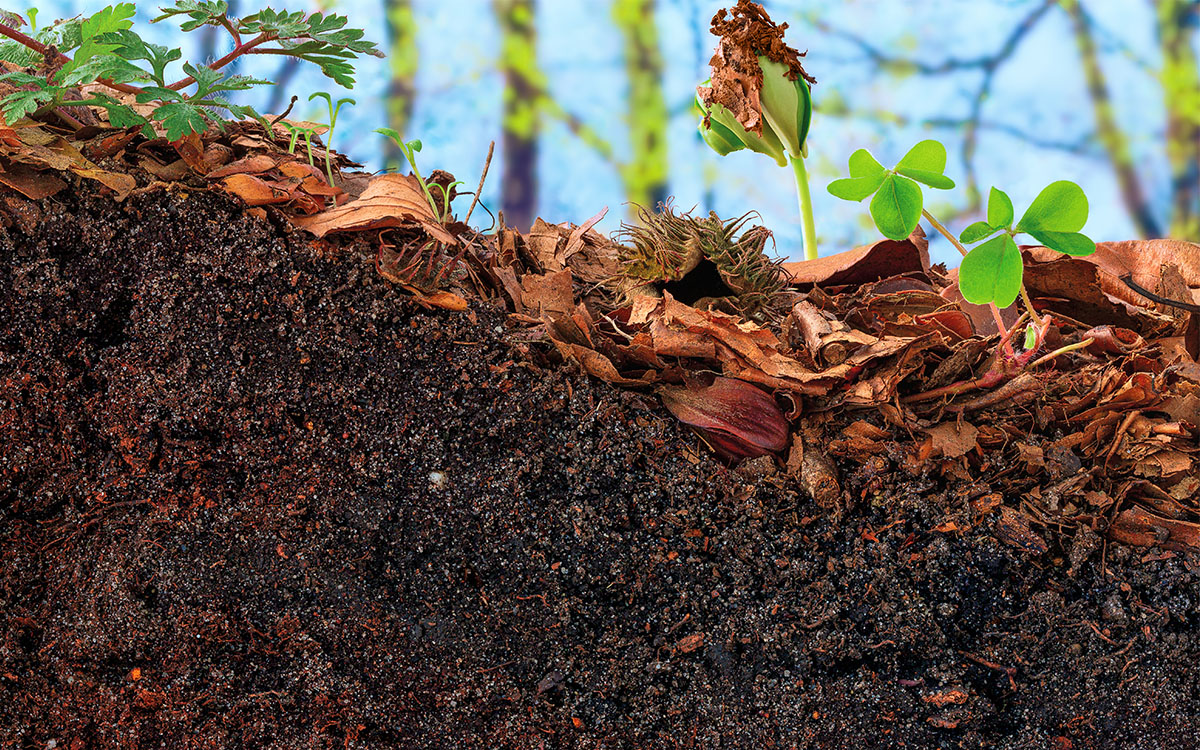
69	120
237	38
237	52
42	49
28	41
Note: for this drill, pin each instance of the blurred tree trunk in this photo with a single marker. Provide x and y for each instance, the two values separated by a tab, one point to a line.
1111	136
523	90
402	82
645	175
1181	97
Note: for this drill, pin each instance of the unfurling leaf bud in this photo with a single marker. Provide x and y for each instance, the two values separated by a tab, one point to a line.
786	106
721	131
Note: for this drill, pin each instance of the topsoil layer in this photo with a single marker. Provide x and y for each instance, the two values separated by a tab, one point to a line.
250	496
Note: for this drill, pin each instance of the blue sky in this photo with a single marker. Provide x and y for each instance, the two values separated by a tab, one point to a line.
1040	91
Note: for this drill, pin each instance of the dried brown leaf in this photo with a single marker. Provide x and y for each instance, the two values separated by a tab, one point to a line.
391	200
31	183
864	264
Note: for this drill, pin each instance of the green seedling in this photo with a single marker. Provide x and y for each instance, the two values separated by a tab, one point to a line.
898	204
759	98
297	131
786	117
333	113
410	149
103	48
992	272
446	198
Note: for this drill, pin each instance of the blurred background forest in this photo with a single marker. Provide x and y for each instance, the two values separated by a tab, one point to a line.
590	103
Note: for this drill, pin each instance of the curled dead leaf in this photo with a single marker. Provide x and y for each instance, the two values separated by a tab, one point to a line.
864	264
391	200
738	419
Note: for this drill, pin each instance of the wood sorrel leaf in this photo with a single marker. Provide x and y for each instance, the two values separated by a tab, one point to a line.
862	164
976	232
1000	209
991	273
896	207
1060	207
1070	243
932	179
926	156
855	188
1030	337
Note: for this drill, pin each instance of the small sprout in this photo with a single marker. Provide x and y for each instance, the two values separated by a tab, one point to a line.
993	271
410	149
297	131
333	113
446	197
898	203
1031	337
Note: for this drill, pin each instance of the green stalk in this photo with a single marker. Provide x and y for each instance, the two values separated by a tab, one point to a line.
807	225
959	246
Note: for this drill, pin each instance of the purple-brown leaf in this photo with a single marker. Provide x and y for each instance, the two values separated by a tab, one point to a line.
739	420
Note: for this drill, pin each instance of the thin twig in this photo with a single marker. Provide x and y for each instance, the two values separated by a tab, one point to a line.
479	191
286	112
1059	352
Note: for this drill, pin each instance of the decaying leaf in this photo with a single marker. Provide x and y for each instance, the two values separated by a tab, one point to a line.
29	182
391	200
863	265
737	419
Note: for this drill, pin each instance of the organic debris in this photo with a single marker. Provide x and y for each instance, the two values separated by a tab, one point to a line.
702	261
874	362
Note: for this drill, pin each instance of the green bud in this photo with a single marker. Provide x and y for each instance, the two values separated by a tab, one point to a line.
726	135
786	106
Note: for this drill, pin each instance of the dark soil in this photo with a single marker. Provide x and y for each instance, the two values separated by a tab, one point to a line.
251	496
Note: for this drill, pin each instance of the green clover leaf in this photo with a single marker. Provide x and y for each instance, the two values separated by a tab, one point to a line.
1060	207
976	232
1000	209
898	202
992	272
896	207
925	163
1055	218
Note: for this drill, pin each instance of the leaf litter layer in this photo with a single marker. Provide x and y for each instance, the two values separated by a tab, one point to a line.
876	407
